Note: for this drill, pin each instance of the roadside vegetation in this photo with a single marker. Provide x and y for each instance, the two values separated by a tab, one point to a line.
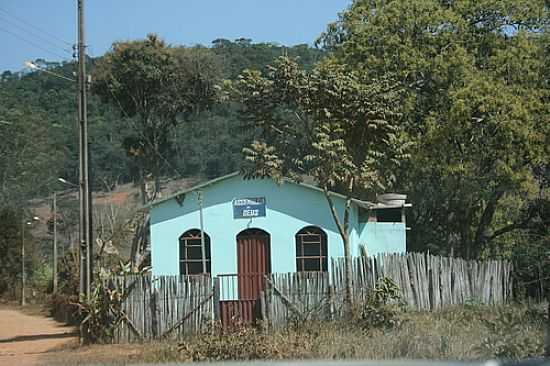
470	332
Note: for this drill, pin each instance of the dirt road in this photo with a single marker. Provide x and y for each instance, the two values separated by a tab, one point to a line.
29	339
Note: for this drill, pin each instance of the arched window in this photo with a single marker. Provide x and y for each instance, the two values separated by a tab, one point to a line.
191	253
311	250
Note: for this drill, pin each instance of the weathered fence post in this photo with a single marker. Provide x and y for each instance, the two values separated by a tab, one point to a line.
154	312
330	302
216	299
547	347
263	311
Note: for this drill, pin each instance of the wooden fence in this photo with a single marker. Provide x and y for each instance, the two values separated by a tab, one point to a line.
174	306
430	282
163	307
426	282
296	296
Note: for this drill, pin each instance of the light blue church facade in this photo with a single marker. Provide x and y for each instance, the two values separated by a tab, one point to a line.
260	226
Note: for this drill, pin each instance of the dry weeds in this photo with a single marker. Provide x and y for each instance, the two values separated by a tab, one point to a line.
459	333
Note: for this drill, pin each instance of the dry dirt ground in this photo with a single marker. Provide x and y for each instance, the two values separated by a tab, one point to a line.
31	339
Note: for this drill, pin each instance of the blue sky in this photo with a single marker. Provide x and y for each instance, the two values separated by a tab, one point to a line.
34	29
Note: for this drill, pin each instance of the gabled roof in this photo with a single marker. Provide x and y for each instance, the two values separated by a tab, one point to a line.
360	203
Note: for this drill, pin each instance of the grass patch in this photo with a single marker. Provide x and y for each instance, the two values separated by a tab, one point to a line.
457	333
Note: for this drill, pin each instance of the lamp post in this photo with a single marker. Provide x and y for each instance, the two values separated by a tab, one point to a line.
55	193
23	275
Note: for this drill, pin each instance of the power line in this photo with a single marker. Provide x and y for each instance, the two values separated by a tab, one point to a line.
32	66
36	35
37	28
33	43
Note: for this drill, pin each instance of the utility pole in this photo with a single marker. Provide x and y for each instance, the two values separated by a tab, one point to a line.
85	230
54	242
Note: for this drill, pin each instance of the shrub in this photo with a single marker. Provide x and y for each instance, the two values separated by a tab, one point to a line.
507	334
103	312
383	306
246	343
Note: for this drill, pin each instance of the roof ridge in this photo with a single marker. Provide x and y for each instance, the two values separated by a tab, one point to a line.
358	202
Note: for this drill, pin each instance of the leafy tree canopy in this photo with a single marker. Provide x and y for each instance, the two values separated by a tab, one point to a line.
476	75
334	124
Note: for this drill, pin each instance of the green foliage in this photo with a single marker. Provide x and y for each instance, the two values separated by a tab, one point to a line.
102	313
386	290
476	106
382	308
452	334
42	110
156	86
42	277
11	222
27	154
10	250
505	340
332	123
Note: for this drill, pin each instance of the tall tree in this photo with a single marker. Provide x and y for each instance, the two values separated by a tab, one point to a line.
476	77
331	123
156	86
27	156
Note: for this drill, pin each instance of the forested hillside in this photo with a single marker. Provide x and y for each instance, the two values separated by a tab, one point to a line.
40	142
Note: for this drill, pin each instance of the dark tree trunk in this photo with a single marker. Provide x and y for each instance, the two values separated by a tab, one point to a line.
547	345
139	241
349	274
482	235
343	229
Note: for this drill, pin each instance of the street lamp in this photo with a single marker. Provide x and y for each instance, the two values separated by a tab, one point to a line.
65	181
23	275
35	67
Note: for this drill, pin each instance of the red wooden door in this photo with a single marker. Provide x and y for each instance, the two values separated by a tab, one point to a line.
253	262
253	256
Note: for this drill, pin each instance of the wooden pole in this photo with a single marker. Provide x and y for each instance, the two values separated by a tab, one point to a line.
85	231
54	242
23	262
203	252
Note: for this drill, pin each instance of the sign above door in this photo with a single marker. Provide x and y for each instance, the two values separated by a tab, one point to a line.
246	208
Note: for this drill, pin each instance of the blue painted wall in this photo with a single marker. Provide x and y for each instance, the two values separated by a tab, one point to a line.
383	237
289	207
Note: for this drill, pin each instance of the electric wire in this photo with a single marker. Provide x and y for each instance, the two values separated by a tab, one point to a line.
36	35
56	74
33	43
36	28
